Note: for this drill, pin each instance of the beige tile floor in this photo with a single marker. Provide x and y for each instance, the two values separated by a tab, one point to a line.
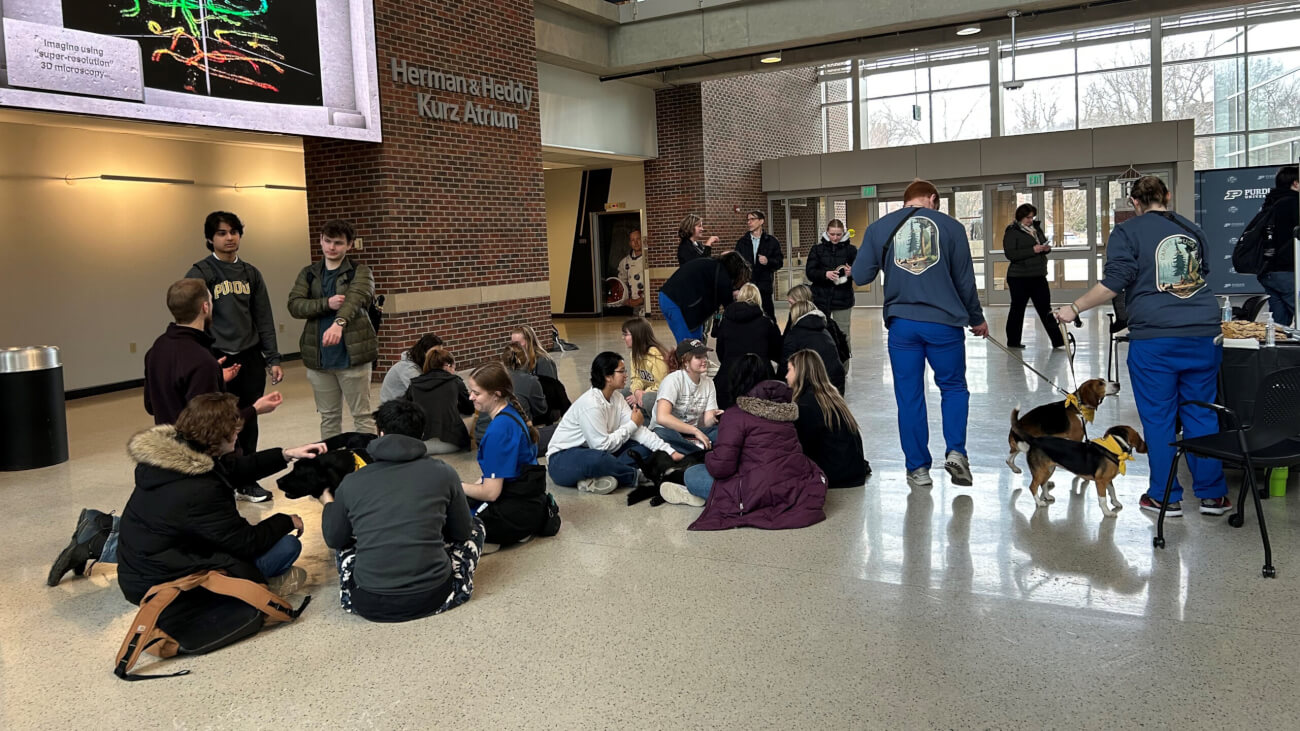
942	608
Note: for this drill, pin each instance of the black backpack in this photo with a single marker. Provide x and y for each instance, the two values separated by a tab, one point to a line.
1254	251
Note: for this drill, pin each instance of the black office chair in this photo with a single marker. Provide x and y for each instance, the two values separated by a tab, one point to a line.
1272	440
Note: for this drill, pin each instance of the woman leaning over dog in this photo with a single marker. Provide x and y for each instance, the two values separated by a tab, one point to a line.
182	519
827	430
1158	260
507	448
754	476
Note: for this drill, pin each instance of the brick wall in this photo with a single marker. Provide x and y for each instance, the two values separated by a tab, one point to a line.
443	204
713	138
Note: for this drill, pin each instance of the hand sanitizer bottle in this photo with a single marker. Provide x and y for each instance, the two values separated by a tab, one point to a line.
1270	333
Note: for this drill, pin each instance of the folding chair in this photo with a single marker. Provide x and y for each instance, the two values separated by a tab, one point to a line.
1272	440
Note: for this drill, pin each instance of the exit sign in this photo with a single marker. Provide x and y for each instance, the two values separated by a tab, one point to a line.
868	191
1034	180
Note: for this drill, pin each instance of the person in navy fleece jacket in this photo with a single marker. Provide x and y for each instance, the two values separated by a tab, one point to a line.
1157	259
930	295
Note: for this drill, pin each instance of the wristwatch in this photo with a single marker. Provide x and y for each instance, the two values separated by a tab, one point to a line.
340	322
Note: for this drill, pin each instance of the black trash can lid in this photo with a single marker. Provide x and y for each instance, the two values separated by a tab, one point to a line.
29	358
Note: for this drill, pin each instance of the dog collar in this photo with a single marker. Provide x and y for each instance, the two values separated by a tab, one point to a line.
1118	448
1085	410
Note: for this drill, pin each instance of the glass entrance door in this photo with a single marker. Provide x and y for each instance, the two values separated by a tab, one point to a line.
1066	209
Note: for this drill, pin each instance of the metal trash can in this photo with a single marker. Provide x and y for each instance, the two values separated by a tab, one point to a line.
33	425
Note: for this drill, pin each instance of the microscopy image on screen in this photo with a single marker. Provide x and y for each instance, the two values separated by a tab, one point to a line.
254	50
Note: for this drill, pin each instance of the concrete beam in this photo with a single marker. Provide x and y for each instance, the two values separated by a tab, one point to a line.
571	39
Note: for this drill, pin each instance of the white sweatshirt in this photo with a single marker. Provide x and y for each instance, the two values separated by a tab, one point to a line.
597	423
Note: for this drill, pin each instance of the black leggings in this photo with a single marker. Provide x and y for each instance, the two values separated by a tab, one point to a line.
1024	289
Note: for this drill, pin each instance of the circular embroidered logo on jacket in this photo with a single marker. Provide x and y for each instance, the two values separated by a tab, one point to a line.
916	245
1178	266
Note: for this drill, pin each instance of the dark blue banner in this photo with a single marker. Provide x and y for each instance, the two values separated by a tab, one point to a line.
1226	200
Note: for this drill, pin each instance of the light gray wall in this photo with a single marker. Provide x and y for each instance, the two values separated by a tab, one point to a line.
581	113
86	266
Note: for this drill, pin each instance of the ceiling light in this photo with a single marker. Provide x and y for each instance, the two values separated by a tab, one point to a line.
773	57
969	30
130	179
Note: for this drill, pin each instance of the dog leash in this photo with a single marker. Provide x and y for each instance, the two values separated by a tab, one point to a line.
1030	368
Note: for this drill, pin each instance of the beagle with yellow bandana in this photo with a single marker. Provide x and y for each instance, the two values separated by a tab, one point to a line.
1098	461
1064	419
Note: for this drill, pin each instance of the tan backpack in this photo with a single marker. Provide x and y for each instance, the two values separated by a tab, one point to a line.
205	611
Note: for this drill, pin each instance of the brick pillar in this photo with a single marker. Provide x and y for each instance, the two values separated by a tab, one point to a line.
713	138
451	210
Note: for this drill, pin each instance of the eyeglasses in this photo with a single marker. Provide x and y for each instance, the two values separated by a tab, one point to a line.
621	370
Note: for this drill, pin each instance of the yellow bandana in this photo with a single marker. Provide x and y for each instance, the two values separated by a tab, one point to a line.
356	459
1087	411
1112	445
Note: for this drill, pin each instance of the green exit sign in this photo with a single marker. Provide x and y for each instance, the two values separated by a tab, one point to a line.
868	191
1034	180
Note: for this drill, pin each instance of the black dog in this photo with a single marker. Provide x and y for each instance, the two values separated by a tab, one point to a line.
660	468
312	477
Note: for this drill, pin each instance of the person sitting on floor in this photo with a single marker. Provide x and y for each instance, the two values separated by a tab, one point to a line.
408	367
407	544
591	448
809	332
524	385
686	412
827	430
744	329
651	362
442	396
181	517
756	474
506	449
539	363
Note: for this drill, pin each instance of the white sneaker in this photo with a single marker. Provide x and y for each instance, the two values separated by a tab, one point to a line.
288	582
958	469
598	485
919	477
679	495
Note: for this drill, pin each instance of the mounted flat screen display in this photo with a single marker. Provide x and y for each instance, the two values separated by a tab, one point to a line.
243	64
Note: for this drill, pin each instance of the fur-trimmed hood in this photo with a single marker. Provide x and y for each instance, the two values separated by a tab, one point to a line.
162	448
769	400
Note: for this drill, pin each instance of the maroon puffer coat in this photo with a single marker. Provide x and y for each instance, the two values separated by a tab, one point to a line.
761	477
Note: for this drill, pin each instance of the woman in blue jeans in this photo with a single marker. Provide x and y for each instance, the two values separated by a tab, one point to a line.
181	518
697	289
1158	260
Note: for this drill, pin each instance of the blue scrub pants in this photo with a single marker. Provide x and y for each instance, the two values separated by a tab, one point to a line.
911	345
673	314
1164	373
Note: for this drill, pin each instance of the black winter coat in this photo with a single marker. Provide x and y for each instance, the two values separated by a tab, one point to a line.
1018	247
744	329
179	366
181	518
699	288
688	250
769	246
837	451
822	258
809	333
1284	221
444	399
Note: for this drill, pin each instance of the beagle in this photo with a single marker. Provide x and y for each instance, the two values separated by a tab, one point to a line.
1098	461
1063	419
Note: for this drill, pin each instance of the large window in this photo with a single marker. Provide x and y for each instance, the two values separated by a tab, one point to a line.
1234	71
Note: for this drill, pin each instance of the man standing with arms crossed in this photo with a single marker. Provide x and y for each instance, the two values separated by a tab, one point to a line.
930	295
243	328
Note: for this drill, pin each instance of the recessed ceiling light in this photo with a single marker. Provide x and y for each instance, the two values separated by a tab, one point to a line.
969	30
773	57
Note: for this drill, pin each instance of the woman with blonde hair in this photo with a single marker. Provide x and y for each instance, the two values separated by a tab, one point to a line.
809	331
651	361
539	363
744	329
827	430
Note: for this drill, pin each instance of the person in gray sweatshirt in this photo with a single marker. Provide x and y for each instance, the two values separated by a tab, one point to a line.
930	295
407	544
1157	258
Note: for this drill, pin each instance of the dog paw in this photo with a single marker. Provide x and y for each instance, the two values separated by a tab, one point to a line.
1015	469
1109	513
1040	502
1049	498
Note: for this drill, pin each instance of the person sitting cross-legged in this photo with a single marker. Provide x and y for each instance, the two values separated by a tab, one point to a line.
593	443
686	412
407	543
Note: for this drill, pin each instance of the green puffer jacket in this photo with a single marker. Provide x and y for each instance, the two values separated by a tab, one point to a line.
357	285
